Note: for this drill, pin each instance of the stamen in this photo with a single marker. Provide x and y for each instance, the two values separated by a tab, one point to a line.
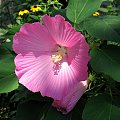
60	53
56	58
56	68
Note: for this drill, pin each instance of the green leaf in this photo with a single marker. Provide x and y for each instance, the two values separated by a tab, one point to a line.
61	12
7	66
8	83
31	110
21	94
106	27
37	97
103	9
34	17
18	21
8	44
3	31
102	107
14	29
80	27
78	10
107	61
76	113
8	80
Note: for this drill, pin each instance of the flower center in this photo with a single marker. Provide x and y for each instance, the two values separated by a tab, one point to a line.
59	55
35	6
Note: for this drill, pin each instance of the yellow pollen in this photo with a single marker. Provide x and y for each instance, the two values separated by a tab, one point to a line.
56	58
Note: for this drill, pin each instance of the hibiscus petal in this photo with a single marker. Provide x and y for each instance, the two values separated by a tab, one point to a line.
37	73
33	37
78	58
67	103
62	32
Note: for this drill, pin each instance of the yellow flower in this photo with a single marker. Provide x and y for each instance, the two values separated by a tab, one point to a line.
35	8
26	11
22	12
55	0
96	14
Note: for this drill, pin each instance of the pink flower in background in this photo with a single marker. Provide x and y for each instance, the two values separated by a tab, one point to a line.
52	57
68	101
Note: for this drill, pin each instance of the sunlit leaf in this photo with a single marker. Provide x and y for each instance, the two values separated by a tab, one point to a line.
78	10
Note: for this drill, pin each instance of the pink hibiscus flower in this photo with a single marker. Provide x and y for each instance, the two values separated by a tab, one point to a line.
52	57
67	103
